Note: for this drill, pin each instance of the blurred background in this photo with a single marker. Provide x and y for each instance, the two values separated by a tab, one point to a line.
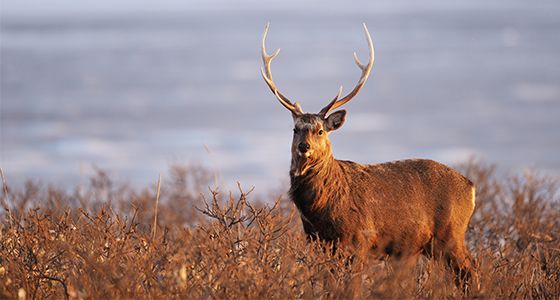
133	87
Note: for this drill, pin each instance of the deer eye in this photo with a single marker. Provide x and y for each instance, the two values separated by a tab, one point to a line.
320	132
296	131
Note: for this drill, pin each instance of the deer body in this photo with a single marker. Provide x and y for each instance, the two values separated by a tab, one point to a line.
400	209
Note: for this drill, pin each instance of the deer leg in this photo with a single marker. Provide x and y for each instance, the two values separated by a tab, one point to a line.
458	259
353	289
460	262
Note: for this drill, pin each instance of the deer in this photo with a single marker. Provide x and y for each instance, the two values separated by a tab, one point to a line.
399	209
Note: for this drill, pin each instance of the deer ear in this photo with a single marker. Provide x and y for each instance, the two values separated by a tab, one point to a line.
335	120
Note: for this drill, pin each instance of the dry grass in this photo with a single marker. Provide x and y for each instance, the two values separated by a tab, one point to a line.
99	242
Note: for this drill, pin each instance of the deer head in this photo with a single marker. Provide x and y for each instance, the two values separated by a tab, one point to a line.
310	145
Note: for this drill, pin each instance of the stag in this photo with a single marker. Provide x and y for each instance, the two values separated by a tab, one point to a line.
398	209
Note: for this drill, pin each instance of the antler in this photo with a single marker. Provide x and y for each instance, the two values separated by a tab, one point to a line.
267	75
335	103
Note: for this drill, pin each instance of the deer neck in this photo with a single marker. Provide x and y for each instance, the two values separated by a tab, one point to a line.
315	184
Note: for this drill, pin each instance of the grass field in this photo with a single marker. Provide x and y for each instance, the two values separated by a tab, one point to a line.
99	242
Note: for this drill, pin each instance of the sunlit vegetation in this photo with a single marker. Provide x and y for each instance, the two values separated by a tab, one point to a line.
98	242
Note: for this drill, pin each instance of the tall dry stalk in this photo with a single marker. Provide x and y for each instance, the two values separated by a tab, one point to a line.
5	196
154	228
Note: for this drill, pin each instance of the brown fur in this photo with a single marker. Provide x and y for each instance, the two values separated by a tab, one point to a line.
400	209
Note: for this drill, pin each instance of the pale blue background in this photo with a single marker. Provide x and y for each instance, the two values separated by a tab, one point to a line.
133	86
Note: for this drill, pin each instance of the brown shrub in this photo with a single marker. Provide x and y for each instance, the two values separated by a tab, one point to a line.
97	242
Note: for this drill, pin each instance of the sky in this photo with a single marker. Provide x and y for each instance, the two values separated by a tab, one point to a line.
132	85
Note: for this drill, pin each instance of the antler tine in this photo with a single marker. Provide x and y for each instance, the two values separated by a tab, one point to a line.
366	69
326	109
267	76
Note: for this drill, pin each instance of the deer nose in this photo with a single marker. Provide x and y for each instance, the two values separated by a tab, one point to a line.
303	147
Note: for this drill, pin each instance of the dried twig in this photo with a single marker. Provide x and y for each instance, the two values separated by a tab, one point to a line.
5	196
156	209
58	280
